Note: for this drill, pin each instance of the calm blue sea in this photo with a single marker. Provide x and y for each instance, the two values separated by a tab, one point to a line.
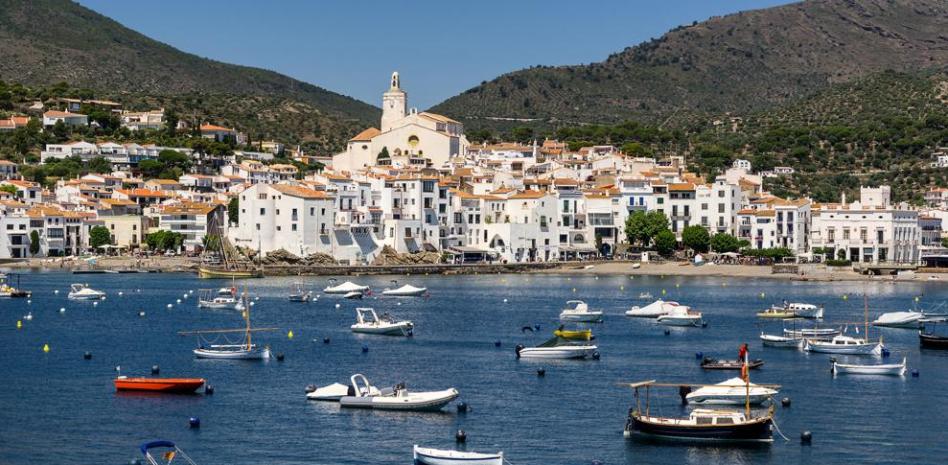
59	408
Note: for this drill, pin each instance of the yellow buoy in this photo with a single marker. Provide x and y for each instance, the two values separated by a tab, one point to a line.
845	297
574	289
762	295
290	334
916	298
45	348
663	291
677	285
621	288
19	324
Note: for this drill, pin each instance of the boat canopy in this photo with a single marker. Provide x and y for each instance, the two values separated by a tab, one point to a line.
153	444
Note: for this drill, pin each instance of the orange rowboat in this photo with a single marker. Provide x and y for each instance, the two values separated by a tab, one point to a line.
178	385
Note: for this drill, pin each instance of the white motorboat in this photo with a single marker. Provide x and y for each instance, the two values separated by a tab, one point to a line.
772	340
653	310
813	334
731	392
346	288
805	310
224	298
405	291
299	294
394	398
580	312
84	292
426	456
370	323
844	345
680	316
908	319
354	295
334	392
892	369
558	348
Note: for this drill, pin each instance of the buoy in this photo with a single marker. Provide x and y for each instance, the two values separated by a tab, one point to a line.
462	407
785	401
141	313
28	316
252	304
845	297
505	300
806	438
915	373
460	436
337	305
677	285
121	293
596	355
194	422
541	372
19	324
663	291
29	301
496	343
87	356
95	304
885	352
762	295
667	332
399	304
135	462
325	340
155	369
45	348
56	291
179	301
704	324
365	349
621	288
169	305
699	355
574	289
289	335
208	389
62	309
280	357
118	367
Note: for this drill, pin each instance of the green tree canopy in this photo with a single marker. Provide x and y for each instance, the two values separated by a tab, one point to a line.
34	242
696	237
642	227
164	240
99	236
100	165
233	210
665	242
724	242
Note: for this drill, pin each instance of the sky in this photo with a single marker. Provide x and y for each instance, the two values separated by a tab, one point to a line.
440	48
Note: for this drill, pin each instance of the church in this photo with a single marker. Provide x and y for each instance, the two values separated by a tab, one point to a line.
405	137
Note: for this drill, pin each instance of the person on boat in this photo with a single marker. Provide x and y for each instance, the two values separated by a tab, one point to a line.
742	353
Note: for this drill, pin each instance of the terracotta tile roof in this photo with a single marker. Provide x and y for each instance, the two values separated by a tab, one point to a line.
365	135
60	114
189	209
143	193
212	127
299	191
529	195
681	187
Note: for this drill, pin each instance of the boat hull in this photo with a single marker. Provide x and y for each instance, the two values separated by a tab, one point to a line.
220	305
758	430
417	401
211	273
581	317
669	320
877	370
928	341
424	456
168	385
574	334
854	349
386	330
562	353
730	364
780	341
253	354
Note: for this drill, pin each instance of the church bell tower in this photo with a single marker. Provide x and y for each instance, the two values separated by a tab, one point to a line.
394	104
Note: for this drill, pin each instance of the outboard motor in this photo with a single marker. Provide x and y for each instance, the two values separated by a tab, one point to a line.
518	349
683	392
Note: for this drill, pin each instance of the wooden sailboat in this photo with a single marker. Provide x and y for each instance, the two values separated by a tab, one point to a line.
244	350
701	424
223	266
846	345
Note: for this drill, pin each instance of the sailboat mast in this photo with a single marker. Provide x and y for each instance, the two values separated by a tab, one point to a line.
865	314
747	387
247	319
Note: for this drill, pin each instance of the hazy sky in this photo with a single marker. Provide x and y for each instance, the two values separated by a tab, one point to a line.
440	48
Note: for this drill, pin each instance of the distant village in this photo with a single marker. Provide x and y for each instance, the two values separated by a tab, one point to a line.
416	184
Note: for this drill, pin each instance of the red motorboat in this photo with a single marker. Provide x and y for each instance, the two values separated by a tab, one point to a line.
174	385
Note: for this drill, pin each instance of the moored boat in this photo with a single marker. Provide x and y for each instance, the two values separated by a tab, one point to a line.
573	334
223	273
558	348
405	291
169	453
813	334
927	339
223	298
345	288
680	316
299	294
369	322
244	350
8	290
806	310
733	391
169	385
653	310
907	319
580	312
891	369
428	456
709	363
394	398
776	312
772	340
84	292
844	345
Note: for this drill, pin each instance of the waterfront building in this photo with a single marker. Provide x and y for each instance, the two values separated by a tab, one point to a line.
283	216
192	220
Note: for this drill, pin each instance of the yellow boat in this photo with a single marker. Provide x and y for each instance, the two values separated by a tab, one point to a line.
211	273
574	334
776	312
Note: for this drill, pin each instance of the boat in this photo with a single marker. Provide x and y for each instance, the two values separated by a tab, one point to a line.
84	292
334	392
701	425
844	345
7	290
558	348
169	385
891	369
169	454
653	310
645	295
224	298
927	338
709	363
244	350
776	311
394	398
354	295
731	392
405	291
345	288
216	273
298	294
218	258
367	321
427	456
813	334
680	316
580	312
806	310
573	334
907	319
772	340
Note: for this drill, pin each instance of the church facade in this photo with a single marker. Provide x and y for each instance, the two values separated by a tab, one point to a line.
405	137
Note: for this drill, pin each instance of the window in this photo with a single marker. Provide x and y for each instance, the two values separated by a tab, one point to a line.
704	206
845	234
294	227
661	200
720	208
720	194
263	211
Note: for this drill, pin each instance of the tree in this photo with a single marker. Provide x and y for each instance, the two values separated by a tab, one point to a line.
644	227
944	242
150	168
724	242
34	243
696	238
233	210
9	188
100	165
164	240
211	242
665	242
99	236
383	154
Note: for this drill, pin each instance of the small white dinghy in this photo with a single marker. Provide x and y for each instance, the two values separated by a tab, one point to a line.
405	291
580	312
653	310
892	369
395	398
771	340
426	456
731	392
345	288
909	319
84	292
369	322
